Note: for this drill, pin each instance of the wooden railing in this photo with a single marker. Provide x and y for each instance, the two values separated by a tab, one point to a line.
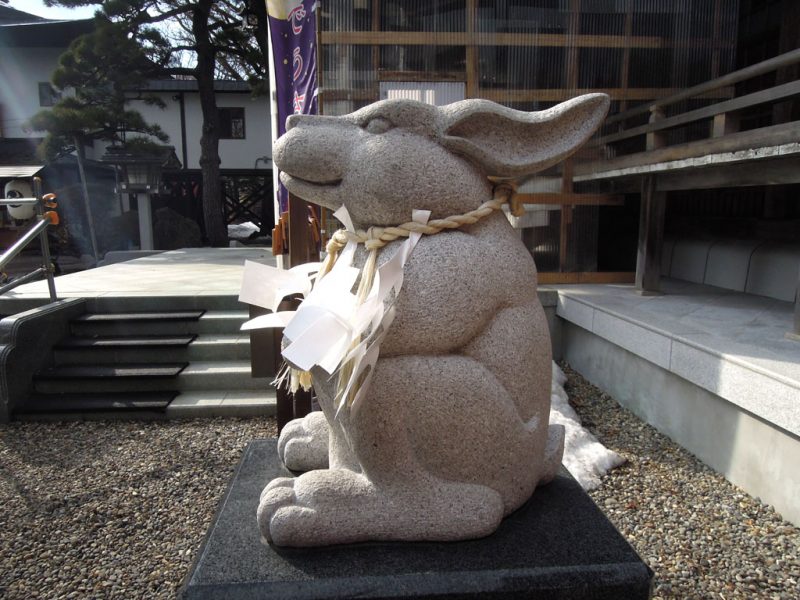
778	62
758	156
722	117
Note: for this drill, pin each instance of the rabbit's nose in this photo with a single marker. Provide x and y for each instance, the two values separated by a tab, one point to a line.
291	121
294	120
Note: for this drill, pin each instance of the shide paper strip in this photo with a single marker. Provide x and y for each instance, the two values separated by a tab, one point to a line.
327	328
323	344
374	313
343	216
322	328
276	319
364	356
368	362
265	286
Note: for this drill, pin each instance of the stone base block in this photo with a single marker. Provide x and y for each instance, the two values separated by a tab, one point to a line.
558	545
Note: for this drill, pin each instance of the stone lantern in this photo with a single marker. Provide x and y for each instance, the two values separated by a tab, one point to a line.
140	171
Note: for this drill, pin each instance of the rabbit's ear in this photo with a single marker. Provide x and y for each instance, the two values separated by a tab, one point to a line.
507	143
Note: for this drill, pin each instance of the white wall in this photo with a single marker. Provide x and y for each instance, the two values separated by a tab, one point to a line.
21	70
169	118
235	154
437	93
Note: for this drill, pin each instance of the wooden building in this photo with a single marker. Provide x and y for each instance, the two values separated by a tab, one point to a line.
690	189
532	54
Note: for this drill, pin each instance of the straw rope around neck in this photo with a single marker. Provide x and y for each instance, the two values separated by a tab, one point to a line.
376	238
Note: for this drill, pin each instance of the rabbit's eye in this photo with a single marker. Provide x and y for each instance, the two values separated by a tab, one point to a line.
378	125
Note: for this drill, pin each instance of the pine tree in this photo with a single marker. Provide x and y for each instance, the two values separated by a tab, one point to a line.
95	75
202	40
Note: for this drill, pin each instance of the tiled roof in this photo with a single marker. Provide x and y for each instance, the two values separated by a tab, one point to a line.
19	172
19	29
9	16
190	85
19	151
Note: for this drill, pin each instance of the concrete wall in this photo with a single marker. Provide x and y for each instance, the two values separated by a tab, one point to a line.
25	340
549	299
758	457
21	70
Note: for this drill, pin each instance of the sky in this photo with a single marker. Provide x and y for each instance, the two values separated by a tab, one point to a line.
37	7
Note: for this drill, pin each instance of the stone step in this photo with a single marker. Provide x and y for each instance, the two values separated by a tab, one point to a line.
98	347
230	375
47	404
203	347
116	371
210	322
223	403
149	342
164	315
131	303
198	375
220	347
150	405
111	378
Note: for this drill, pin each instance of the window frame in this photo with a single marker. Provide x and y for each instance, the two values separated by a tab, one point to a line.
226	129
48	95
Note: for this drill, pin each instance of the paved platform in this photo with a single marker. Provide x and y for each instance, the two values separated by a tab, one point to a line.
730	343
186	272
709	367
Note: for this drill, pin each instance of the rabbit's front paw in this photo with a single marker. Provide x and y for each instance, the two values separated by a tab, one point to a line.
303	444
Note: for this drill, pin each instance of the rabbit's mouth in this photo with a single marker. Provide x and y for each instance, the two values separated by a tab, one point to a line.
290	180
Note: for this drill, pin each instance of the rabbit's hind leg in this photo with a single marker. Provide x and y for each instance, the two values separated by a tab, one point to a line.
336	506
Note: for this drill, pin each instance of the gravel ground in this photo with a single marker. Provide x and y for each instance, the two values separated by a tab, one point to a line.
119	509
703	536
111	509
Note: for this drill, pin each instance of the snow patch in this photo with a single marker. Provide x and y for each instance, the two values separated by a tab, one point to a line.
584	457
242	231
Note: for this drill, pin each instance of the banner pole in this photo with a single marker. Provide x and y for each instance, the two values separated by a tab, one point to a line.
273	113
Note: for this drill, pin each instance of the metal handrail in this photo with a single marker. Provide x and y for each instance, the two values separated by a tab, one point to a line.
20	244
17	201
39	229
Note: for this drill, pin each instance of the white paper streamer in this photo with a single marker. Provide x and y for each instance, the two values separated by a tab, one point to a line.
374	313
343	216
266	286
326	331
276	319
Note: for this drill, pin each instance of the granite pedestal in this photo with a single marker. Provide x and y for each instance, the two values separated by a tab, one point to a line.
558	545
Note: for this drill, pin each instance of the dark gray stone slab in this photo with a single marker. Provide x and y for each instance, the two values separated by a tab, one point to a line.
559	545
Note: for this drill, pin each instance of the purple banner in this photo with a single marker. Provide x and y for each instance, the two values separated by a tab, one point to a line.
293	31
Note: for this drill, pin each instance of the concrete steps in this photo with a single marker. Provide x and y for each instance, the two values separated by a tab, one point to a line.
159	362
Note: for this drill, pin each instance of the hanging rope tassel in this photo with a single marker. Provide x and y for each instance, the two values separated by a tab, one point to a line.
364	287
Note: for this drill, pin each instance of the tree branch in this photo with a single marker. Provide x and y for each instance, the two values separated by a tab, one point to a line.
144	18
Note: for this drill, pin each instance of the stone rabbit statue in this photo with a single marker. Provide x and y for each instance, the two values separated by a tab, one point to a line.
453	434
